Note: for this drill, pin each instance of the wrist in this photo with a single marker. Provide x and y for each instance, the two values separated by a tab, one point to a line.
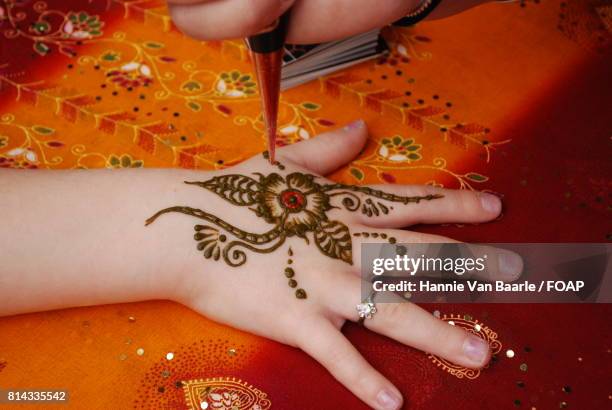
177	269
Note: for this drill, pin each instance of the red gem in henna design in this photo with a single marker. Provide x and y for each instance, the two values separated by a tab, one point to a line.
292	200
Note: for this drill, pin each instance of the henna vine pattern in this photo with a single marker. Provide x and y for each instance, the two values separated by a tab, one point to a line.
295	205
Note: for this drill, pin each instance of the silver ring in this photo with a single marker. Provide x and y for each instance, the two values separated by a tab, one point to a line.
367	308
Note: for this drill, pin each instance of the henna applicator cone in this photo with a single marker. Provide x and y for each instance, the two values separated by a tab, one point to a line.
267	49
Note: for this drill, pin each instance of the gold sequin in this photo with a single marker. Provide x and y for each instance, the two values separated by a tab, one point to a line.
509	353
131	319
140	351
122	356
231	352
169	356
523	367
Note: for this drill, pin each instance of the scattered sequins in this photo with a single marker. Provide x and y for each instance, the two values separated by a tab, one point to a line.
204	405
477	327
140	351
131	319
523	367
231	351
122	356
509	353
169	356
165	374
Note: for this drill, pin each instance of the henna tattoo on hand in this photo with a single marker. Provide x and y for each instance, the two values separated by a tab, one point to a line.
294	205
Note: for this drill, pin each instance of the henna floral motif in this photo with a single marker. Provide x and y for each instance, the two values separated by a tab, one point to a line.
296	205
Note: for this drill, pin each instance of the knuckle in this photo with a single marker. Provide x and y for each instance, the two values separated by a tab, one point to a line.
460	202
392	312
337	355
471	203
446	337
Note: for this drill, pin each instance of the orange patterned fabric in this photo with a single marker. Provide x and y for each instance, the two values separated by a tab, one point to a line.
512	99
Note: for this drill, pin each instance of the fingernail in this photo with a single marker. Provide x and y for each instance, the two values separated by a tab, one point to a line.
355	125
510	265
490	203
475	349
388	400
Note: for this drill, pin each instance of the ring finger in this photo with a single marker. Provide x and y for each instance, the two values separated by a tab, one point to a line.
411	325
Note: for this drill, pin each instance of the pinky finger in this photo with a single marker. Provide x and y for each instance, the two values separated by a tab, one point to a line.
330	348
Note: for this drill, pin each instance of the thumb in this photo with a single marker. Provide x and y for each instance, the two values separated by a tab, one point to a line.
221	19
328	151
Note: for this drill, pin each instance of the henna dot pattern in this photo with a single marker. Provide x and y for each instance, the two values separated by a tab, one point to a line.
290	274
389	239
295	206
266	155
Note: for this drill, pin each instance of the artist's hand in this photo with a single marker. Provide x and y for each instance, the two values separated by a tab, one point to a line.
312	21
276	254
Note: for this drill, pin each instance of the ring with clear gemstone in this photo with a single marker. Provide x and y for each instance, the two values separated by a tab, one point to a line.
366	310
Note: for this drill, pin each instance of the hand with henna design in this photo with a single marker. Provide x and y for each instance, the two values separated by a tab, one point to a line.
270	249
